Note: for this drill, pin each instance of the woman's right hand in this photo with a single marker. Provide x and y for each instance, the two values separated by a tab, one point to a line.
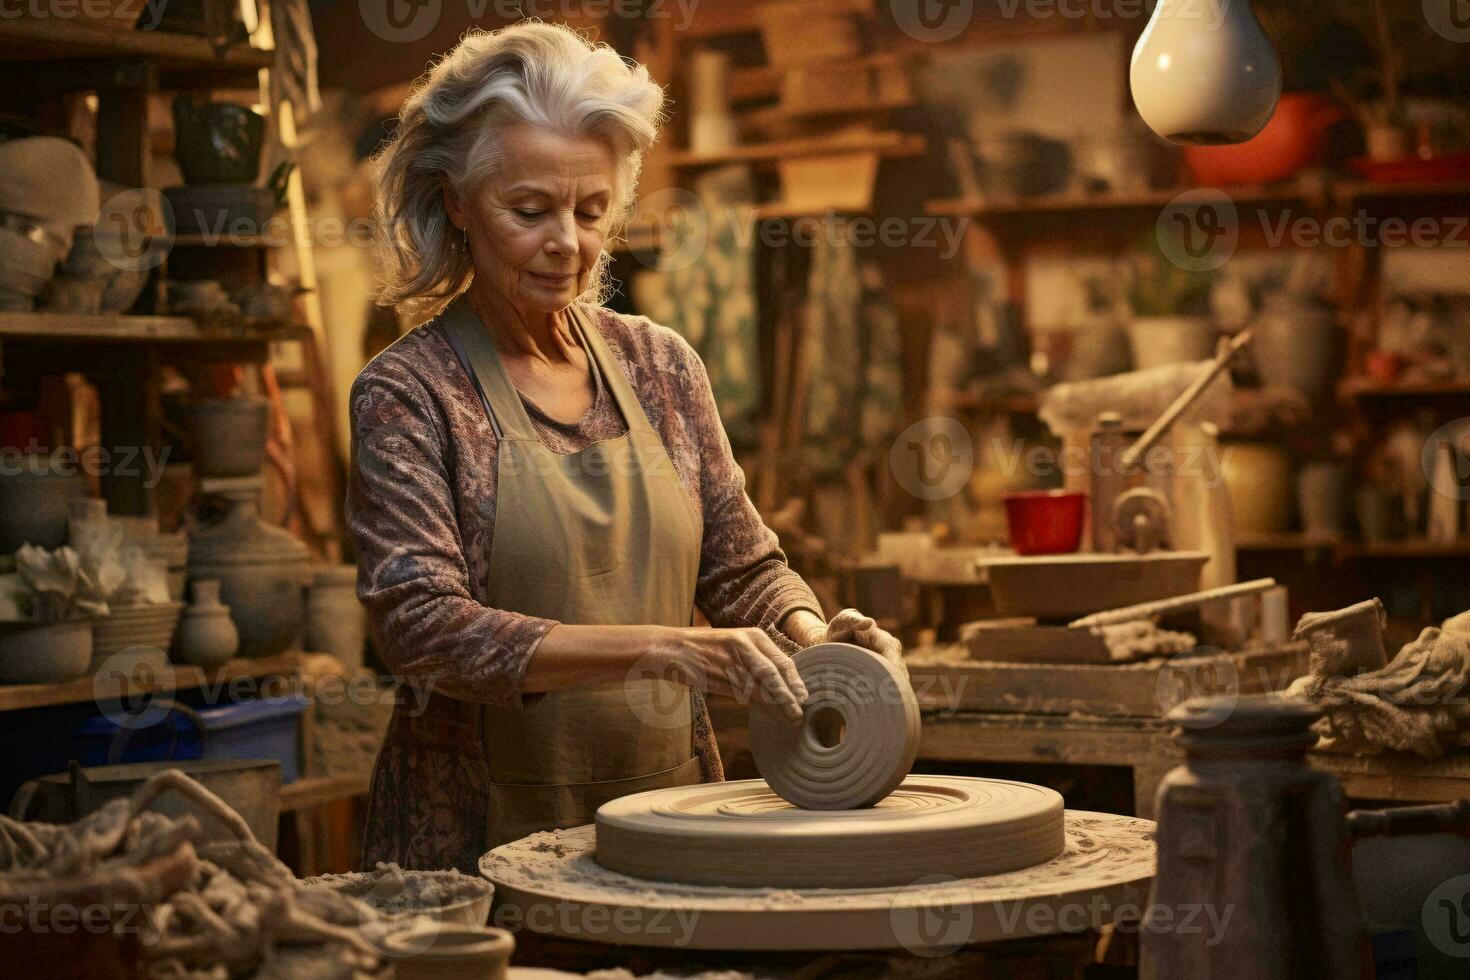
743	663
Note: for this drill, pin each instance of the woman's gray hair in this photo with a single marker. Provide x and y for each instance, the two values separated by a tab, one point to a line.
449	131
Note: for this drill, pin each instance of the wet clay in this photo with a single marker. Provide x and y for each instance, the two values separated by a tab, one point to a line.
858	736
552	883
740	834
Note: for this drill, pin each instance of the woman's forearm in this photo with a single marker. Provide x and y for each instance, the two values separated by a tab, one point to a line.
576	656
804	627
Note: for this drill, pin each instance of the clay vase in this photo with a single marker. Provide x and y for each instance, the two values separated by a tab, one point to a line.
229	436
336	622
207	636
262	572
1295	345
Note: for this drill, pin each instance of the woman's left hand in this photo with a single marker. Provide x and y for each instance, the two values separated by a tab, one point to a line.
851	626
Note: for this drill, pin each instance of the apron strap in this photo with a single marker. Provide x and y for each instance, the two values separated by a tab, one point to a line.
612	375
477	354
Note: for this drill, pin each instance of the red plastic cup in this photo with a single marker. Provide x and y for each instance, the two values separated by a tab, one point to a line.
1046	522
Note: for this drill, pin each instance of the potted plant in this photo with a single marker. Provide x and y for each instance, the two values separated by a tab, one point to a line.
1170	307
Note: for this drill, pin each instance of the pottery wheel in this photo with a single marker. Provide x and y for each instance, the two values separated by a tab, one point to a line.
743	835
858	736
550	883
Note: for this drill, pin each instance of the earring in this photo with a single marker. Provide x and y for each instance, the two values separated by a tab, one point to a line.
464	240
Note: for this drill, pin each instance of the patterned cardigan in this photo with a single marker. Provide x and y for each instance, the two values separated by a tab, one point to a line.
420	508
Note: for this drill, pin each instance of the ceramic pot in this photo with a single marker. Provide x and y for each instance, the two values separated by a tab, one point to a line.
427	949
336	622
206	636
36	492
45	653
1046	522
1321	491
261	570
1258	476
217	142
1294	345
1295	139
1160	340
229	436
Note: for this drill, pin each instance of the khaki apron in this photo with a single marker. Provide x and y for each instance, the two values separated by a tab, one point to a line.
602	536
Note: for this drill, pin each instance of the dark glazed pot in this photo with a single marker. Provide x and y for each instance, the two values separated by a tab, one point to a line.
217	142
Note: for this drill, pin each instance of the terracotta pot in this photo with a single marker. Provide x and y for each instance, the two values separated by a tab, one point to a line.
262	572
1294	139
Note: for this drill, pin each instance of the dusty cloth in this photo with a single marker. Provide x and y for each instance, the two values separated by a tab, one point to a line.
421	509
1142	639
1416	703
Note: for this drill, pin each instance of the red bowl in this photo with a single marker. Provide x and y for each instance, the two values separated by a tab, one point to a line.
1046	522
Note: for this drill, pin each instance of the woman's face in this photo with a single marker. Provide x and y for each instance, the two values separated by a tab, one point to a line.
536	228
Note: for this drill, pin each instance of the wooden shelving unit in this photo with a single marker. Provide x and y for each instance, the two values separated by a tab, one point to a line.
178	678
889	144
183	60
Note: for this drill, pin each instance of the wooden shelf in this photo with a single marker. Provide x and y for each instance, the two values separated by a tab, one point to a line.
178	678
1289	541
118	327
1366	388
1074	203
888	144
185	57
1362	190
1409	548
317	790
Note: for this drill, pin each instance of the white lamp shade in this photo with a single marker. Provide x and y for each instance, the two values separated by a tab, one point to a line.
1204	72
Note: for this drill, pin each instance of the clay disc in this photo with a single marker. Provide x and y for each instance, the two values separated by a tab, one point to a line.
740	834
550	884
858	736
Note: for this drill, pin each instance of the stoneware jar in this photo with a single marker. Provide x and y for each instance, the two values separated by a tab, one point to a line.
262	572
336	622
207	636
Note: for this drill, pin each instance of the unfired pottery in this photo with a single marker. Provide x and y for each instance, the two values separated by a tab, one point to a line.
262	571
858	736
336	622
45	653
207	636
229	436
428	950
741	835
36	491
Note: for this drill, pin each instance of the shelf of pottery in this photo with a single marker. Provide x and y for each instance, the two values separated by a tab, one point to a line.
793	87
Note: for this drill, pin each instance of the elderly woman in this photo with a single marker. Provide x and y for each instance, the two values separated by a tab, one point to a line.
541	491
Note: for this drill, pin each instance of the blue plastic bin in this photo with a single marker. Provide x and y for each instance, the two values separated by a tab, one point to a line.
263	728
